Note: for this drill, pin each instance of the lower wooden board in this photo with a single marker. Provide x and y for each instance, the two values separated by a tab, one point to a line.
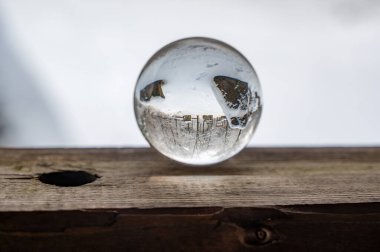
342	227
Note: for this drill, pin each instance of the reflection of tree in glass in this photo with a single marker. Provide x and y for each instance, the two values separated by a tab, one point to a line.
152	89
235	92
237	97
192	136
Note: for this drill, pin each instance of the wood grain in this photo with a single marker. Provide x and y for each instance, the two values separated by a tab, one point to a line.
342	227
284	199
141	178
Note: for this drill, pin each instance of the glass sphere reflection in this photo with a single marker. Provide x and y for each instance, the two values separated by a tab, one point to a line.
198	101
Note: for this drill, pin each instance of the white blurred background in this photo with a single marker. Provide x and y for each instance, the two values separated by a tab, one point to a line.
68	68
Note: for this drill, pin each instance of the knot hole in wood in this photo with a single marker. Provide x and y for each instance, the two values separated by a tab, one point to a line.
67	178
260	236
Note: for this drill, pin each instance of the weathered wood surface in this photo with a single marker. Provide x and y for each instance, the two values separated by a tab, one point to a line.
141	178
322	199
347	227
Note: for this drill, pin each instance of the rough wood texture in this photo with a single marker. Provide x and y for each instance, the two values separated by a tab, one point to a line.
141	178
347	227
323	199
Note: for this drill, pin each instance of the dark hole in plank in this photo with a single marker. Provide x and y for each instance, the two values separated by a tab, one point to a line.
68	178
260	236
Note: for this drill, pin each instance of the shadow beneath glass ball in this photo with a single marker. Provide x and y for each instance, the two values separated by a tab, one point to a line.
240	164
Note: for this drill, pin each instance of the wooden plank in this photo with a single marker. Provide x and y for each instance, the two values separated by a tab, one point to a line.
345	227
141	178
293	199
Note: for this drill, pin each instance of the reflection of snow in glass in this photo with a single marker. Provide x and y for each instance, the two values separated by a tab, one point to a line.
198	101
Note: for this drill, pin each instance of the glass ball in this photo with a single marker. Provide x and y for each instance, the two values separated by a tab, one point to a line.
198	101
